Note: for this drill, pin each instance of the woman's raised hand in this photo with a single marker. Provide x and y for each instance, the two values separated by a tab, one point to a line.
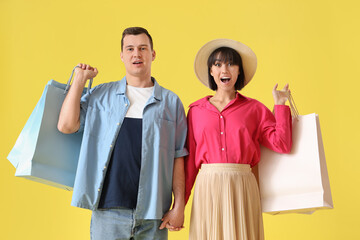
281	96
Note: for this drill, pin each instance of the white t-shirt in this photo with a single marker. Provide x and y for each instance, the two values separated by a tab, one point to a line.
138	97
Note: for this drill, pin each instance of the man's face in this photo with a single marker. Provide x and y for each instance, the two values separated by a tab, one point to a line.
137	55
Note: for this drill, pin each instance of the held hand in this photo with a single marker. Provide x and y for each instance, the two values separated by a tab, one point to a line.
281	96
173	220
85	72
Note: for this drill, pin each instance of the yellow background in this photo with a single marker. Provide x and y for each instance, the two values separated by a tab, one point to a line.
313	45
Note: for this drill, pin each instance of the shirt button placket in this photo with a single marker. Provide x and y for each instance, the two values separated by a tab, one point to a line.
223	140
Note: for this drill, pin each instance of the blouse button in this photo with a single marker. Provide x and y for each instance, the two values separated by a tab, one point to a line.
222	132
221	116
222	149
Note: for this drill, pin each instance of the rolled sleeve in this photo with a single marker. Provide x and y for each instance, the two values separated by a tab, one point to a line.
181	153
83	110
181	130
84	102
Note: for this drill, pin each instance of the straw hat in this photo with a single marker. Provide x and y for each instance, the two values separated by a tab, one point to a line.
248	57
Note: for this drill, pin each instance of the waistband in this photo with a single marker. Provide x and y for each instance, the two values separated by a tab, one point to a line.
225	167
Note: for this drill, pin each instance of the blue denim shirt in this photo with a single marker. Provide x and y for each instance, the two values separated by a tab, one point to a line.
163	139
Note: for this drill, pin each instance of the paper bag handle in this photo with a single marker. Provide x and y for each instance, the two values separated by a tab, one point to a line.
294	111
69	81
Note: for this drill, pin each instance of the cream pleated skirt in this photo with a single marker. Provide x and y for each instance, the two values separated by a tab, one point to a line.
226	204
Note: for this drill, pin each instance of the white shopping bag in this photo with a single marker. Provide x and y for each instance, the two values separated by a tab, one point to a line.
296	182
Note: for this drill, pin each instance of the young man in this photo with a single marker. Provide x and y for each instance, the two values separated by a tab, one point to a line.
131	158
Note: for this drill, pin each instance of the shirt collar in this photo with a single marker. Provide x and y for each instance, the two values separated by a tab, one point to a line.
203	101
121	88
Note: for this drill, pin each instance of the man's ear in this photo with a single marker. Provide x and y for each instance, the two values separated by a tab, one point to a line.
121	56
153	55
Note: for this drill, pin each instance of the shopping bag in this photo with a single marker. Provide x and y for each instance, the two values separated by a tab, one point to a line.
42	153
297	182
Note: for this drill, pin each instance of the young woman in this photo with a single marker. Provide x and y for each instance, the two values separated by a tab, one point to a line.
224	136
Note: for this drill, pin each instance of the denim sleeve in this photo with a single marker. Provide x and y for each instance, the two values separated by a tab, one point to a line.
84	102
181	131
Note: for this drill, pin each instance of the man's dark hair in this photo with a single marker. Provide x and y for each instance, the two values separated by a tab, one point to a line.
135	31
226	55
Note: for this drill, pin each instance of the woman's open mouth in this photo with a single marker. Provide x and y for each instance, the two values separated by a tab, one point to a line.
225	79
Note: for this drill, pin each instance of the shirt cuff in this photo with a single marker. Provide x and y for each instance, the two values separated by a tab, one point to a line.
181	153
282	111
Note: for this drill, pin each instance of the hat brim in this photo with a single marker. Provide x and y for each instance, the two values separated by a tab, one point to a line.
249	60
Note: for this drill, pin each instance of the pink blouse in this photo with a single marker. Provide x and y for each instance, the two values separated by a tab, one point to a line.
233	135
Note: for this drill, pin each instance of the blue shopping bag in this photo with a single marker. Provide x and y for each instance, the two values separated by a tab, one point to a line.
42	153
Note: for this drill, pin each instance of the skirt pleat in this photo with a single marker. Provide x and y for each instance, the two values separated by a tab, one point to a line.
226	204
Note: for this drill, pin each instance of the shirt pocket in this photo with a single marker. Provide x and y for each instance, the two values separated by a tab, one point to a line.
166	130
97	123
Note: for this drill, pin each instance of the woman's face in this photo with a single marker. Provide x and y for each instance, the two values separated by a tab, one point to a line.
225	75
